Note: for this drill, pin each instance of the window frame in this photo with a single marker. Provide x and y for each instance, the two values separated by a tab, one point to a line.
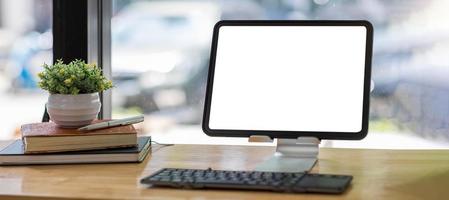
99	14
82	30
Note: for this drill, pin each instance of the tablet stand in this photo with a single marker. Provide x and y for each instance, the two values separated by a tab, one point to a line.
292	155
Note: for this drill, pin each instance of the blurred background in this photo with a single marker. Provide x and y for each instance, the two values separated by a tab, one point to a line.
160	52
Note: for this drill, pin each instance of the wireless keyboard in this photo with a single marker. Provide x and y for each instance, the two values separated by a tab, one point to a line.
249	180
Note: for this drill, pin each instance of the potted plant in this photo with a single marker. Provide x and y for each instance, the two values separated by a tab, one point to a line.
74	100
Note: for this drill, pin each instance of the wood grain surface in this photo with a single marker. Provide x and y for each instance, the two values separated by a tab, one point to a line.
378	174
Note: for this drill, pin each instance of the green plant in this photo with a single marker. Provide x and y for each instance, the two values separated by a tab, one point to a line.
76	77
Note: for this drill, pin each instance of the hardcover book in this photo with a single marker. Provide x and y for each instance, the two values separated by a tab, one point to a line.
14	154
48	137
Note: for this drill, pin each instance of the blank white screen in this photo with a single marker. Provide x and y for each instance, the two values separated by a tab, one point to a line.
289	78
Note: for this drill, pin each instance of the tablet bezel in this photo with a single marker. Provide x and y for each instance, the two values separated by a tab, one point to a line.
290	134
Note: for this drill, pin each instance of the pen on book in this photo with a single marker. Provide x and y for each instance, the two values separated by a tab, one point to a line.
112	123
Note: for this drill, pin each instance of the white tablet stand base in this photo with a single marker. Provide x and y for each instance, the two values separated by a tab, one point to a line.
292	155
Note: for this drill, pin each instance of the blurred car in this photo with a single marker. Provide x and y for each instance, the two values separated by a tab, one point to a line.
26	57
158	49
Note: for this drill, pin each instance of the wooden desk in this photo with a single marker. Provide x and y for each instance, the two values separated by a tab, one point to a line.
378	174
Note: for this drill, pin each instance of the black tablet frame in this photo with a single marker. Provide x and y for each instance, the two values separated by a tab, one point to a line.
290	134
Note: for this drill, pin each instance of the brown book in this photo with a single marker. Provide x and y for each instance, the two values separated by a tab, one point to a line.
47	137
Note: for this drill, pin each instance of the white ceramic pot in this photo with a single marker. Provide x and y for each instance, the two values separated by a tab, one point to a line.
72	111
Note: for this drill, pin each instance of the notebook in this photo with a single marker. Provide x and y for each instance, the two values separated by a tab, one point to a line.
48	137
14	154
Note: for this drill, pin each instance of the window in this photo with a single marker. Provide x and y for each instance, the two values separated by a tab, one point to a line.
25	44
160	52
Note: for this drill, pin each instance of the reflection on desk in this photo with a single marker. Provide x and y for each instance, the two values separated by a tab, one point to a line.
378	174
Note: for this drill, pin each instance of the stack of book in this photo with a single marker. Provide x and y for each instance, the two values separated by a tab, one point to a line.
46	143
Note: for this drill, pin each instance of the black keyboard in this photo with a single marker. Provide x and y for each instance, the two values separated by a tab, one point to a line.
249	180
